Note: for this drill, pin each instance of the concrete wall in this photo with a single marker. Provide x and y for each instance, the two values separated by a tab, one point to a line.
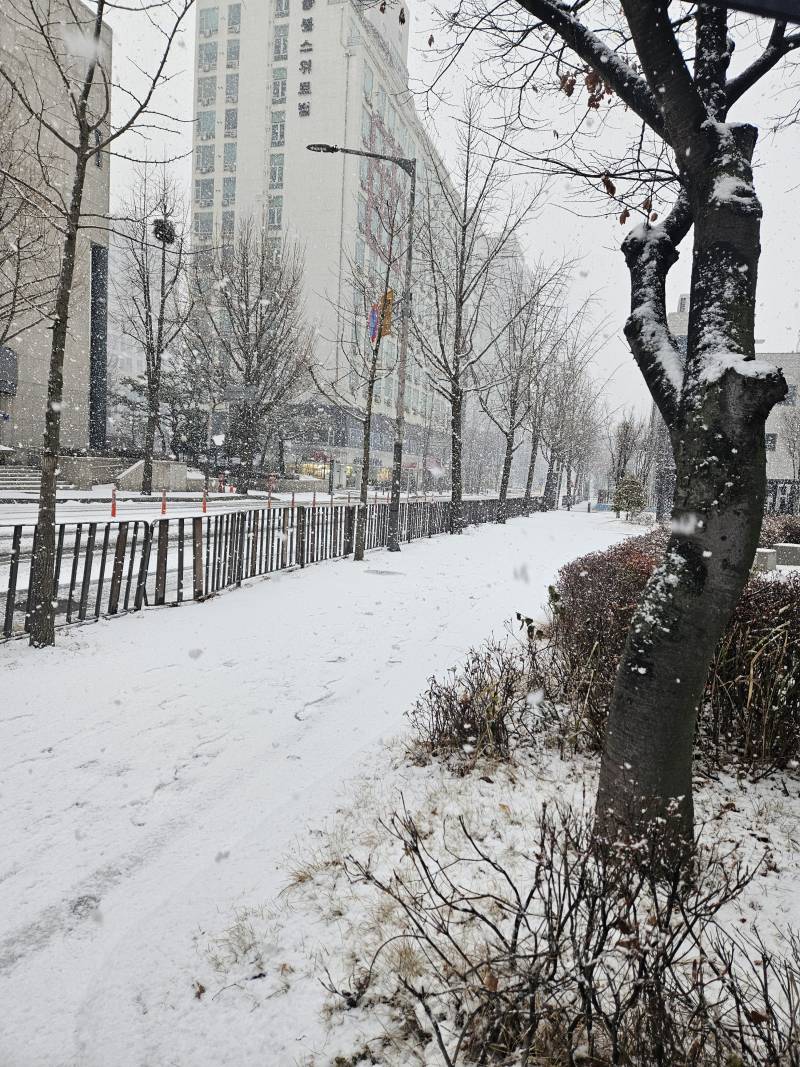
167	474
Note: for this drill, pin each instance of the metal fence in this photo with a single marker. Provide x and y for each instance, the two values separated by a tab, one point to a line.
108	568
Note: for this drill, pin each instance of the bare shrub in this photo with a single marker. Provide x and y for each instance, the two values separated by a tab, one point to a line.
589	960
479	708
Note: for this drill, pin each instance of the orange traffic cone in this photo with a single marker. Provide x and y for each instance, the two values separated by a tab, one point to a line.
163	501
113	503
205	503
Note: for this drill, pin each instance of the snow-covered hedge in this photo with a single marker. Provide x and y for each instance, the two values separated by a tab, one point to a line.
751	712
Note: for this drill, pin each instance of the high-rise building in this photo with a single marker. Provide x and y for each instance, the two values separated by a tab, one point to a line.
272	77
25	356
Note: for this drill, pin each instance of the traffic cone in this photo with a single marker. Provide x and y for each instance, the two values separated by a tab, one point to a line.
205	503
113	503
163	501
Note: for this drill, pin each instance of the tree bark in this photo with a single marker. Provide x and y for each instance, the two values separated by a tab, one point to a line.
149	447
43	577
361	518
505	477
456	460
716	424
531	468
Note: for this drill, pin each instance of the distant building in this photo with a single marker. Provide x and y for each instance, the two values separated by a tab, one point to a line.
782	430
270	78
25	359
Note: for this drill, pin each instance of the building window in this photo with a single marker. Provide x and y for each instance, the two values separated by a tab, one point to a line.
208	21
279	85
305	66
276	171
306	46
228	191
206	124
229	158
366	127
275	211
380	101
367	83
391	119
204	158
281	47
231	88
228	222
274	248
231	122
234	18
278	128
304	89
281	9
307	5
683	304
362	215
304	110
770	441
207	56
206	91
363	167
204	192
232	56
307	25
361	253
204	225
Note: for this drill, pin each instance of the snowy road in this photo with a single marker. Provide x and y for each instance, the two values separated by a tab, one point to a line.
155	770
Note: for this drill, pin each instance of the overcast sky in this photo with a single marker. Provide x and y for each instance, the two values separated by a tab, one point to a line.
559	229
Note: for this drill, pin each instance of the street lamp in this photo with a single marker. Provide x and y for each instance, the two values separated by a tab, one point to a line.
410	167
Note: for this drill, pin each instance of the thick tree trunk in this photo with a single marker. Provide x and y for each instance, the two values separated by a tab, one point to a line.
550	495
456	458
505	477
149	448
717	426
43	577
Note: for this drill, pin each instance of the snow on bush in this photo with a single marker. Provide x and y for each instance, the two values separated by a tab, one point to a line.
751	711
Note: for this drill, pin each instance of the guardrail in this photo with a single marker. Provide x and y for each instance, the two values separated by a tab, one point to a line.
109	568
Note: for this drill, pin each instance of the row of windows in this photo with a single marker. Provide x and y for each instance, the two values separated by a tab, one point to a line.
208	20
207	123
204	224
208	54
205	154
204	192
207	90
381	108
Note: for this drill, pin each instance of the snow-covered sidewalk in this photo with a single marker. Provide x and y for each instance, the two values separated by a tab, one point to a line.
157	768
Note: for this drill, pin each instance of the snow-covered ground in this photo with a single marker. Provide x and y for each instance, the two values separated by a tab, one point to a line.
157	769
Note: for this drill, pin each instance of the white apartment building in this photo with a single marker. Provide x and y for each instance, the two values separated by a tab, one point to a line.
25	357
273	76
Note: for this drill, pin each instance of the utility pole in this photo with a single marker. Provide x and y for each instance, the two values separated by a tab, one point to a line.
410	167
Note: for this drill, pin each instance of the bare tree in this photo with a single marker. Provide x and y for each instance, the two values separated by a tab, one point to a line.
248	330
624	441
61	43
507	378
669	69
365	325
467	234
153	295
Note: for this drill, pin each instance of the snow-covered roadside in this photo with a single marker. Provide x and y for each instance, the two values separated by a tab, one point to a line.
157	768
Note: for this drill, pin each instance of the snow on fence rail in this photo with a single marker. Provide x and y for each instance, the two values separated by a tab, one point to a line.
109	568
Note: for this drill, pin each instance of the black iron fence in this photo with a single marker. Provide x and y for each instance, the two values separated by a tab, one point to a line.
108	568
